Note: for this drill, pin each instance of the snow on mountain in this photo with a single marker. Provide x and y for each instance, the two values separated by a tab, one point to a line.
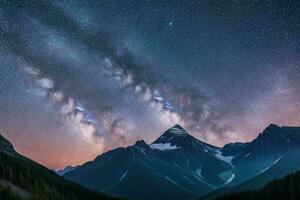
182	166
65	170
164	146
230	179
227	159
178	130
179	137
274	163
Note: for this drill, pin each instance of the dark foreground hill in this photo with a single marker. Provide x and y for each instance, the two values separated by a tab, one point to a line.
286	188
21	178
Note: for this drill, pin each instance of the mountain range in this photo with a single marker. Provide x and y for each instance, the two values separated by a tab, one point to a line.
176	166
179	166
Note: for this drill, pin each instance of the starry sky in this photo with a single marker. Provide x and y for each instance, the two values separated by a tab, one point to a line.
78	78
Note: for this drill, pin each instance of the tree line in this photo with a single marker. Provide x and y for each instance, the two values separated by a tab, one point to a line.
41	182
286	188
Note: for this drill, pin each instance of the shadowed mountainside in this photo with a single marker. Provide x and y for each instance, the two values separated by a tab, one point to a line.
21	178
285	188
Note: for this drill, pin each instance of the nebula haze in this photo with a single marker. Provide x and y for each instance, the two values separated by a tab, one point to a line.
80	78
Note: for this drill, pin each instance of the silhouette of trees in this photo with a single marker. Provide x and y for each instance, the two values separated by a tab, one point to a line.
41	182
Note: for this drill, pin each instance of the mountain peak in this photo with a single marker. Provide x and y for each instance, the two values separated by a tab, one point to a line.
271	128
176	130
141	143
178	126
177	137
6	146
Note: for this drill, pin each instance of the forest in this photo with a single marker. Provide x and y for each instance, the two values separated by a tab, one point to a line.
285	188
40	182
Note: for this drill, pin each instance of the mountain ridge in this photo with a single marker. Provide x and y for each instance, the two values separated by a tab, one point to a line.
22	178
176	159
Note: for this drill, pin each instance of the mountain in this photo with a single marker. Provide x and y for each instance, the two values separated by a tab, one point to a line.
272	155
22	178
285	188
65	170
273	148
175	166
6	146
179	166
195	156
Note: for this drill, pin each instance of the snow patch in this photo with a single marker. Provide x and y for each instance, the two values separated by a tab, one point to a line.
227	176
274	163
199	173
230	179
248	154
175	183
178	131
66	170
186	178
163	146
171	180
227	159
123	176
141	150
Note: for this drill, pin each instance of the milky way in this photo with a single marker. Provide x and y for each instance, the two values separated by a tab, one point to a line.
80	78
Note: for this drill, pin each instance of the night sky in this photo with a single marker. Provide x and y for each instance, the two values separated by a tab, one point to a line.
78	78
